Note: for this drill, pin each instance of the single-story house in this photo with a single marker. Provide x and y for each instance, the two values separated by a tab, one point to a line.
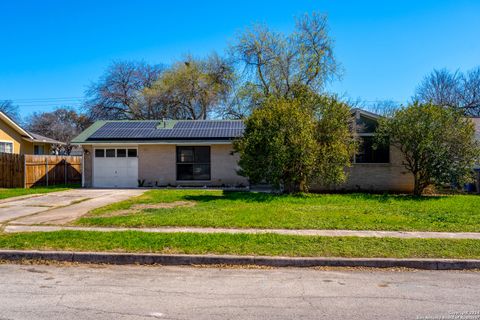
200	153
17	140
160	153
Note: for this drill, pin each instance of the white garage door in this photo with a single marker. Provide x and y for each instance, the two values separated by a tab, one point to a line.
115	168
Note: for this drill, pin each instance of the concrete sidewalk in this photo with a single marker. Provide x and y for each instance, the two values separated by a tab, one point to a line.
323	233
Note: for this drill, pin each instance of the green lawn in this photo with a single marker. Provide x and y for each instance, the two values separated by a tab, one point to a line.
15	192
242	244
206	208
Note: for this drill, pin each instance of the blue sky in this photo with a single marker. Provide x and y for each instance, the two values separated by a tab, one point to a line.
52	50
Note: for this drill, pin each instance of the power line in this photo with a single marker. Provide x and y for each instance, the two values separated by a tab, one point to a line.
44	99
43	107
48	103
29	103
51	102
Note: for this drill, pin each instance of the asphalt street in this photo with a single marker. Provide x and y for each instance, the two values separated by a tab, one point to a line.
156	292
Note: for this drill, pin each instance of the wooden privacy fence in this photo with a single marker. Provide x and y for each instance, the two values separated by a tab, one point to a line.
11	170
26	171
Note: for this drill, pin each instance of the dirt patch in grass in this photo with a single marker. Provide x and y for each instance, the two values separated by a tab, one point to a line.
138	208
118	213
168	205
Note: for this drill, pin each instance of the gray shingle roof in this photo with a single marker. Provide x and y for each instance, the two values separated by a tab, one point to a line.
41	138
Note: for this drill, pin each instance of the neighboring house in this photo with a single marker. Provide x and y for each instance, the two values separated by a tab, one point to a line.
15	139
200	153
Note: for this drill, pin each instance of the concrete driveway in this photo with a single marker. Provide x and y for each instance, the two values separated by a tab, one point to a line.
60	207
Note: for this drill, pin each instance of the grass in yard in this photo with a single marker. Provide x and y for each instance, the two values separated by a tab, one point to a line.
242	244
215	208
15	192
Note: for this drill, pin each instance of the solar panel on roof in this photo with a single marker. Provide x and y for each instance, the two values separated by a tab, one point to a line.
206	124
193	129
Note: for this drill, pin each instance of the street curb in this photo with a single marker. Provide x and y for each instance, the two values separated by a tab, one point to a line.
180	259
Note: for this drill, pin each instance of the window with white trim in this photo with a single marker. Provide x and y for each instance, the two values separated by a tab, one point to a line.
6	147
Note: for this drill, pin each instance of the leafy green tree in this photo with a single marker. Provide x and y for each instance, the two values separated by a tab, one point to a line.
292	143
438	143
335	139
278	145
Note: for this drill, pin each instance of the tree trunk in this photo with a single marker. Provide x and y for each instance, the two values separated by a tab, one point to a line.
295	186
418	186
302	186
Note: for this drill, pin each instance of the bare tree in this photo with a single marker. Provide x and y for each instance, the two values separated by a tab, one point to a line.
62	124
457	89
470	92
11	110
381	107
118	93
192	89
244	99
275	64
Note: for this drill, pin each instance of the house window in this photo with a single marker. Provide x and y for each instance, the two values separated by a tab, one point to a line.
110	153
99	153
6	147
121	153
368	154
193	163
38	150
116	153
132	153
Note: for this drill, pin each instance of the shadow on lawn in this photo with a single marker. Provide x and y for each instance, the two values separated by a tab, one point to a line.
389	197
246	196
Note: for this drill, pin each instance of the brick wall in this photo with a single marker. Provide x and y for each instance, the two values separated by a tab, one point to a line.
377	177
225	166
157	166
